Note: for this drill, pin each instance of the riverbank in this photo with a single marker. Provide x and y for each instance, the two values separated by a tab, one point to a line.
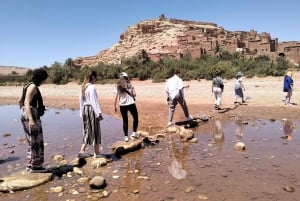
264	99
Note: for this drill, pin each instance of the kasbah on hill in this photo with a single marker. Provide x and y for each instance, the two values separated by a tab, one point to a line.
176	38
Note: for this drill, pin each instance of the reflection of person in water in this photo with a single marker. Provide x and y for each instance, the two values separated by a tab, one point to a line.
131	174
178	153
288	128
218	135
239	131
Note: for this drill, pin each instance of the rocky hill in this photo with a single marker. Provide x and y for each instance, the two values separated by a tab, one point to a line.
12	70
176	38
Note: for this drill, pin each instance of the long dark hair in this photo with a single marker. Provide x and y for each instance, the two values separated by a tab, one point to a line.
38	76
88	78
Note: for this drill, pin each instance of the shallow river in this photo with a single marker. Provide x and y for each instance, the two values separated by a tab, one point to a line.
209	169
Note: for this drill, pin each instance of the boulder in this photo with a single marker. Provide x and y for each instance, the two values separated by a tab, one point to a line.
23	180
120	147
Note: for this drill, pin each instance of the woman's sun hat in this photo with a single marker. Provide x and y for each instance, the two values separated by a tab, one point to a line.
123	74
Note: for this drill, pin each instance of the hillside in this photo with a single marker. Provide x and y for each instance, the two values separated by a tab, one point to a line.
12	70
177	38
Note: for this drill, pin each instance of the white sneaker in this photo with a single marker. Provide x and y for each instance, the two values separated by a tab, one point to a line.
190	118
170	124
126	139
134	135
98	155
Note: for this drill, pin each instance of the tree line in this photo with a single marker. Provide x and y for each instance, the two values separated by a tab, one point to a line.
141	68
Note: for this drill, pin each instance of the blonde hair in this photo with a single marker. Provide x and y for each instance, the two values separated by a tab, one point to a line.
87	79
122	84
289	73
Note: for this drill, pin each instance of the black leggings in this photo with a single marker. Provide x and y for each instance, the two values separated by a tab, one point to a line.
124	112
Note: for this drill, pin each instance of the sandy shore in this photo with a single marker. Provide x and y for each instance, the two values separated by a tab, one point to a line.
264	99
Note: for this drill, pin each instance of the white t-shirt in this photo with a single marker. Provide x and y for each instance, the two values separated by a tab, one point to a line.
125	98
173	85
91	98
238	83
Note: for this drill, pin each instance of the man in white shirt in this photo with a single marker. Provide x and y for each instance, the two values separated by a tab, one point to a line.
174	89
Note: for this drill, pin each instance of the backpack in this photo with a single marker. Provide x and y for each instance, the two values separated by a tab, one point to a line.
219	82
40	105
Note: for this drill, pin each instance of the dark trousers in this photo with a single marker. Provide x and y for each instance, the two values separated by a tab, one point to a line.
124	112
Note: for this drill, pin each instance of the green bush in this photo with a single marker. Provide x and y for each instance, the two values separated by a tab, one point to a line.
142	68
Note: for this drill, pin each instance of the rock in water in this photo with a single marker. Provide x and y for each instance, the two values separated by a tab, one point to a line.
23	180
120	148
239	146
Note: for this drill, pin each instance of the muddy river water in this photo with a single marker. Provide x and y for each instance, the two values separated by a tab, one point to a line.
170	170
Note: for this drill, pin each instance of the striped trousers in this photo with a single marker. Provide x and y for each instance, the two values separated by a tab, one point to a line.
91	127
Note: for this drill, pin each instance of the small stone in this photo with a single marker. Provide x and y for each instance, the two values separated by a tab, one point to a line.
136	191
239	146
189	189
99	162
69	174
115	176
143	177
194	140
77	171
83	180
104	194
57	189
58	157
82	190
202	197
97	182
289	189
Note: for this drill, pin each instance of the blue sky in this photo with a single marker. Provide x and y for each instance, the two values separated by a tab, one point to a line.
34	33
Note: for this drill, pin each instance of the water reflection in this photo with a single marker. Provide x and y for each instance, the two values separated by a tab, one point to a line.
132	172
62	134
197	163
289	128
218	135
239	131
178	154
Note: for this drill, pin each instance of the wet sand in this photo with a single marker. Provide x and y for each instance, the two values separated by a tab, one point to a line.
213	169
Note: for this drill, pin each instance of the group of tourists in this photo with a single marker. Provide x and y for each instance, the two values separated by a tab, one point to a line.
32	108
218	88
239	88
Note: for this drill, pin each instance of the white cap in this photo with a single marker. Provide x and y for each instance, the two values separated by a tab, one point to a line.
239	74
123	74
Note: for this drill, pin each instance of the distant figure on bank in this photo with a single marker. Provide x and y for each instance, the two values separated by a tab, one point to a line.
239	88
288	87
91	115
217	88
32	108
175	94
126	97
